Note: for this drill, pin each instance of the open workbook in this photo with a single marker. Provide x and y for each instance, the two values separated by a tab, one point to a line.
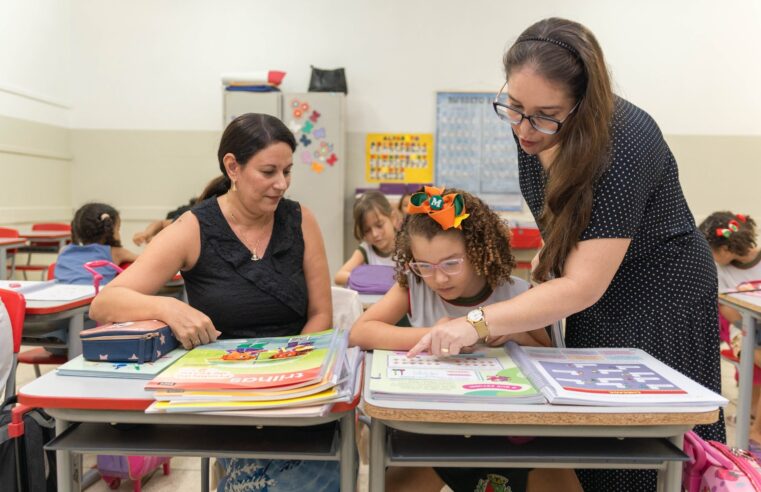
609	377
521	375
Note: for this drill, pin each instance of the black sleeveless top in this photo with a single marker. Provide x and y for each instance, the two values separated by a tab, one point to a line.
247	298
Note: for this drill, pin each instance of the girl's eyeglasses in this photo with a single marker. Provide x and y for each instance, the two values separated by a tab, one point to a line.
452	266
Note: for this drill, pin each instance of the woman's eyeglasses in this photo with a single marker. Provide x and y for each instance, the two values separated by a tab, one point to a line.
514	116
448	267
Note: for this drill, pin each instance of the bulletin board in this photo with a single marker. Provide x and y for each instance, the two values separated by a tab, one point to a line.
475	150
399	157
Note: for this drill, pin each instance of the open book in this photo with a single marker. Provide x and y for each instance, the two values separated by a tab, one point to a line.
488	375
608	377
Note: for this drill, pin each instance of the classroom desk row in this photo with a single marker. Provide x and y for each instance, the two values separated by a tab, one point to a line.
7	244
402	433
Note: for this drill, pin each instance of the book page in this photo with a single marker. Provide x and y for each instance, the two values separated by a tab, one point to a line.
609	376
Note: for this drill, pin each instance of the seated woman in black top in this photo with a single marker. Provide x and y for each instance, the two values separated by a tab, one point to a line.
254	265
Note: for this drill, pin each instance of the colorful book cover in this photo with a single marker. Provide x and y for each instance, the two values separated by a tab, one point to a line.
256	363
208	406
488	375
78	366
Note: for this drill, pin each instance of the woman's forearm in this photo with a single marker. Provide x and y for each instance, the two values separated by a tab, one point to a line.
115	304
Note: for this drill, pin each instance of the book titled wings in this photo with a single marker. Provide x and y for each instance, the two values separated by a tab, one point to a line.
257	364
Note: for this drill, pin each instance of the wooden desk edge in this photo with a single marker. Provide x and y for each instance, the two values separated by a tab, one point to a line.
534	418
733	301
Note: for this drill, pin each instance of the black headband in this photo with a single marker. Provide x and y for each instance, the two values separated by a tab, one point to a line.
556	42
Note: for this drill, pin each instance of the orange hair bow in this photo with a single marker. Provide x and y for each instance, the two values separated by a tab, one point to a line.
448	210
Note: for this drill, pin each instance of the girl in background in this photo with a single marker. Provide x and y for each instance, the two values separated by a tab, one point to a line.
732	238
95	236
449	263
374	220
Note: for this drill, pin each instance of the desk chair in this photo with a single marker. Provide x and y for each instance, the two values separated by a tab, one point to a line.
15	304
524	238
41	246
10	233
39	355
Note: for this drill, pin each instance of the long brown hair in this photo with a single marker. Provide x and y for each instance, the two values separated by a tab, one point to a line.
567	53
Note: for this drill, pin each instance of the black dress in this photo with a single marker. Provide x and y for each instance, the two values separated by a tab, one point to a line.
663	298
244	298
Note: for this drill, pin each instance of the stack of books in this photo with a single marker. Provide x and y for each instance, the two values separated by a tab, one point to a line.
599	377
310	371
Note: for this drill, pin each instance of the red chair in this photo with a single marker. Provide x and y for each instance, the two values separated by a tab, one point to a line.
15	304
525	238
10	233
38	355
41	246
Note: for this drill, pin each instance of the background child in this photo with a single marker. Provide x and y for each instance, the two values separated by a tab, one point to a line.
374	220
449	262
145	236
95	236
732	238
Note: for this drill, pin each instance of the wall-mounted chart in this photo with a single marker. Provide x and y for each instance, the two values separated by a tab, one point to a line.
475	150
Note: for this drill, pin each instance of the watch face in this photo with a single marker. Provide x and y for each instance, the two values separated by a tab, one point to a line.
475	316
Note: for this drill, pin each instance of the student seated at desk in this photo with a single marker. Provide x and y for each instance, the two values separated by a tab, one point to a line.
95	235
733	242
254	265
375	226
145	236
453	256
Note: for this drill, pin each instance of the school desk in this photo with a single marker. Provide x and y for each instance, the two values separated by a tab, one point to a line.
403	433
60	237
84	407
750	308
7	243
42	315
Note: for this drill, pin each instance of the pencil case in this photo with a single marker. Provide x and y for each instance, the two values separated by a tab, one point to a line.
133	341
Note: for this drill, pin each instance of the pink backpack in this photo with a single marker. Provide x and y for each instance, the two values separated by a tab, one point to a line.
114	469
715	467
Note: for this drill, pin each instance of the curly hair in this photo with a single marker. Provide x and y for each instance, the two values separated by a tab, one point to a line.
95	223
739	242
487	241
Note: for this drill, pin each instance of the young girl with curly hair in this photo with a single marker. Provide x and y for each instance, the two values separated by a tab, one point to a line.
452	257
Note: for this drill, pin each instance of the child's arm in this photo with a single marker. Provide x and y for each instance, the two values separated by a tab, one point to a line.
375	328
122	255
316	274
153	228
342	277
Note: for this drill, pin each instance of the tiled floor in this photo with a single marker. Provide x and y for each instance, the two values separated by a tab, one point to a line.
186	474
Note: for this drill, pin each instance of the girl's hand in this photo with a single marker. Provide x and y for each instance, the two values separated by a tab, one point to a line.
190	326
445	339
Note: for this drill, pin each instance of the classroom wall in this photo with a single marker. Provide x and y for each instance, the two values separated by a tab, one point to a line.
146	103
35	153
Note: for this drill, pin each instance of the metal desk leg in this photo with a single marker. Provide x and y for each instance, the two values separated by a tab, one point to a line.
73	342
205	461
670	478
377	456
69	465
746	381
348	455
3	263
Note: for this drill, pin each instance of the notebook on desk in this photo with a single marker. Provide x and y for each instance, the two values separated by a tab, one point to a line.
49	290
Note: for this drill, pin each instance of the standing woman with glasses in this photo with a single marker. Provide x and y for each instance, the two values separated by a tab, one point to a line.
622	259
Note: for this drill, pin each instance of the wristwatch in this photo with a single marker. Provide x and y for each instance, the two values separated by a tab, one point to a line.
477	320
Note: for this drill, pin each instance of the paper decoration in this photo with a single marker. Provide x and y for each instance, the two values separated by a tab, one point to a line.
332	159
307	128
399	157
315	116
316	151
294	126
305	141
317	167
306	157
319	133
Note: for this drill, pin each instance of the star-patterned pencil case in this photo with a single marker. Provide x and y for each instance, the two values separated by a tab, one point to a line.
133	341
